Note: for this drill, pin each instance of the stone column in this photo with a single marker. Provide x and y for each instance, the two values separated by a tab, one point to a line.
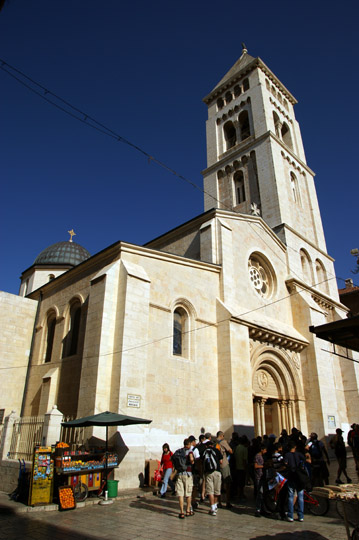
7	434
280	425
291	414
263	419
52	427
283	415
257	417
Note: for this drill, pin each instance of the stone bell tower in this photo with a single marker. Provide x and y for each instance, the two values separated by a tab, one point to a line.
255	157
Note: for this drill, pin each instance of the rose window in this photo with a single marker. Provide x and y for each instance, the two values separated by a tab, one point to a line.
260	276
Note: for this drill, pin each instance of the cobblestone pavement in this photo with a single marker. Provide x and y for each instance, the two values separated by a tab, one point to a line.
141	515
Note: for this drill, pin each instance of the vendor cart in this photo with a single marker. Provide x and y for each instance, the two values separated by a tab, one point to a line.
347	505
83	470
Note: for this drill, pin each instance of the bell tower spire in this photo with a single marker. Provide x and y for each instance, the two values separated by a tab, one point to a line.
255	156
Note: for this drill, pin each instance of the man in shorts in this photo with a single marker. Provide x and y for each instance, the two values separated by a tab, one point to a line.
184	482
226	451
213	478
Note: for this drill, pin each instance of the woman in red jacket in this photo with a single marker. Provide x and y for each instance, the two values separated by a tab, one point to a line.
167	470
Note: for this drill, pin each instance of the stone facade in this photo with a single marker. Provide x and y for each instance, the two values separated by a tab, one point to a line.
17	317
207	326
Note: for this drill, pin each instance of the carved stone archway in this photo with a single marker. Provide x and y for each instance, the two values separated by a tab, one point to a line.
276	390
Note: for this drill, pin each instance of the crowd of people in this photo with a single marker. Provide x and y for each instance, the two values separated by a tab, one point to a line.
213	468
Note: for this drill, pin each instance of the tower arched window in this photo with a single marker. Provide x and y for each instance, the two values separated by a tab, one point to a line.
295	188
239	188
277	125
72	337
306	266
220	103
286	136
180	332
50	335
230	135
243	120
228	97
245	85
237	90
321	278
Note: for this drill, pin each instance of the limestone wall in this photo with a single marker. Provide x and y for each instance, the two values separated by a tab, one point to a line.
17	316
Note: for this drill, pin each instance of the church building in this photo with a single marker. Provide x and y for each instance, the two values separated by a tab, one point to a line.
207	326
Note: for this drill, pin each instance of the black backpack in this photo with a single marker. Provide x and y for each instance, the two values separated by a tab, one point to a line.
179	460
209	460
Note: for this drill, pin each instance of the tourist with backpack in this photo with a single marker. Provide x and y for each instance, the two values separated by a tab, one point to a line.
183	461
317	450
212	459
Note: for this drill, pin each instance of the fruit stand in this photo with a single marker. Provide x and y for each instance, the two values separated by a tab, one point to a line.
82	470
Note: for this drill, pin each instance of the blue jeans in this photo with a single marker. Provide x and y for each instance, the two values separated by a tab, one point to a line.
166	480
300	501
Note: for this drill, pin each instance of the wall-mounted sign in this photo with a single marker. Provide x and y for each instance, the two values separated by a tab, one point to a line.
331	421
133	401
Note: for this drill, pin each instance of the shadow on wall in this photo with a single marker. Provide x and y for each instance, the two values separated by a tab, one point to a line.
242	430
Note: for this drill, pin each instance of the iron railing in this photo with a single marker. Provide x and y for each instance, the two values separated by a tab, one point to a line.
27	433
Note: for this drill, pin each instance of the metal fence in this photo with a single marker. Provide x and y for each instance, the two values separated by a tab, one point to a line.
27	433
72	436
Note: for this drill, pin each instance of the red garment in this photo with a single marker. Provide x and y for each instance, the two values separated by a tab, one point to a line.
166	461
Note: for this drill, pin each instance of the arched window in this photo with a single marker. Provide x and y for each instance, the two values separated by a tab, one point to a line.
228	97
180	332
50	334
276	124
72	337
294	188
230	135
237	90
243	120
306	266
321	280
51	277
220	103
239	187
245	85
286	136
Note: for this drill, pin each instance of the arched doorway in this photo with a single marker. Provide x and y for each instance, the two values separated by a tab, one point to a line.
275	392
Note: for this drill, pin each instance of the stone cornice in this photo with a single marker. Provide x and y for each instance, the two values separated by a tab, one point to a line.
295	285
256	63
269	337
236	152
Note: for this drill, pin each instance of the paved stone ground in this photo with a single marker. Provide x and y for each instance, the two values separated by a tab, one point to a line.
138	515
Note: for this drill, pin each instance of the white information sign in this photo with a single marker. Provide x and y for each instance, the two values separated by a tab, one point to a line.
133	401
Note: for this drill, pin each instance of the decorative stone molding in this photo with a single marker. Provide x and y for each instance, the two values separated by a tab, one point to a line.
292	162
262	379
280	109
276	340
322	302
233	111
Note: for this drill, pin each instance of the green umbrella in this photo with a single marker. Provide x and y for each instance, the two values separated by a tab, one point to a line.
106	418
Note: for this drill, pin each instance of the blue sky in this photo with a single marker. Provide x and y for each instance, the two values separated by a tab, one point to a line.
142	68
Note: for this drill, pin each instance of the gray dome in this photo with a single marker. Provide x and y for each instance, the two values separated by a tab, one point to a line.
63	253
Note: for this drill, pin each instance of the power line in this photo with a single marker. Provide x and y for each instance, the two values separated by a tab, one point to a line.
149	343
91	122
88	120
